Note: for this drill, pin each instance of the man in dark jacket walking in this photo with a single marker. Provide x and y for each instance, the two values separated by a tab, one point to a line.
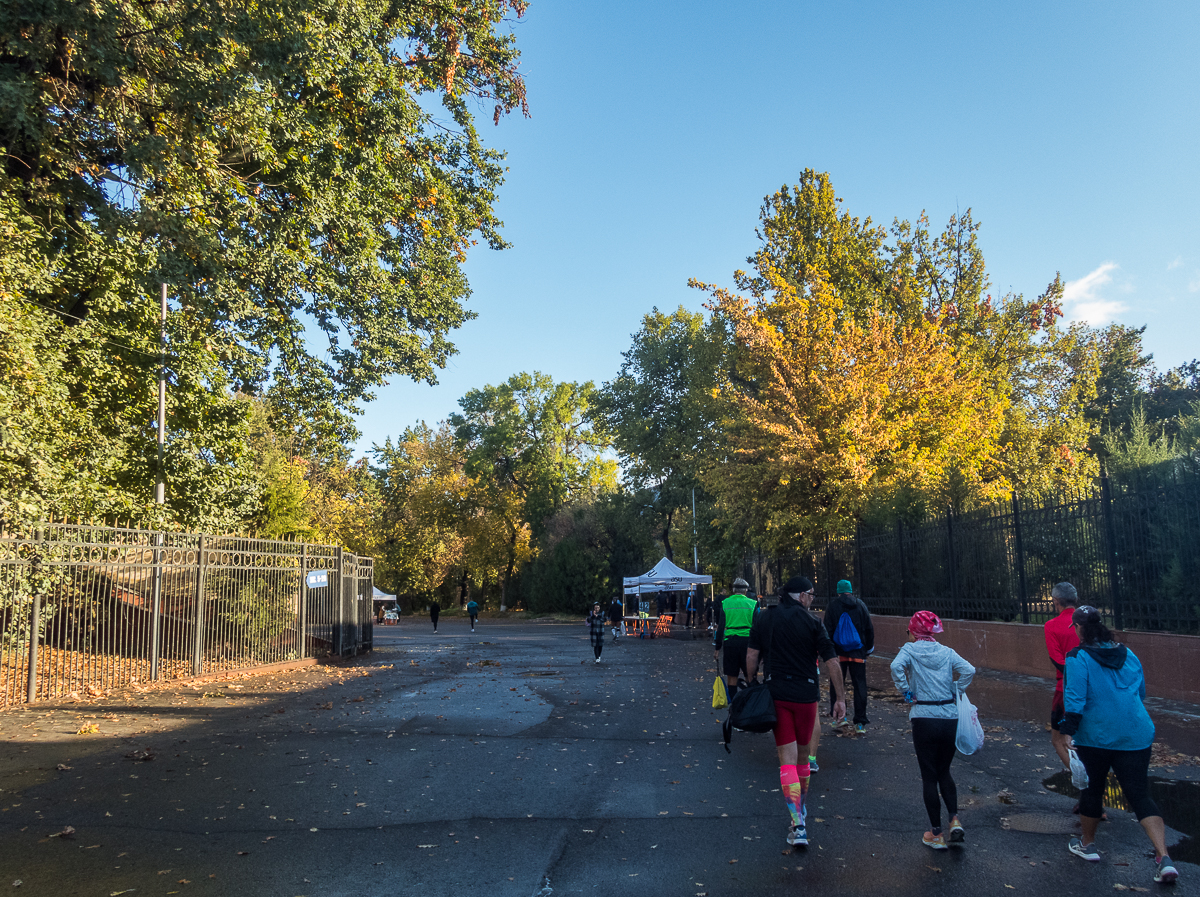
616	616
848	623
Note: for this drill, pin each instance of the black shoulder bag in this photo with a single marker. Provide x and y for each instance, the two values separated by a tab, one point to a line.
753	708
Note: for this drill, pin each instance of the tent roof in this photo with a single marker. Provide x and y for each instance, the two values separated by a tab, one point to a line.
380	595
665	575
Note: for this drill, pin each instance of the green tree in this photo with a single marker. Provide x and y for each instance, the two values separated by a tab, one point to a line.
532	448
280	165
663	405
915	276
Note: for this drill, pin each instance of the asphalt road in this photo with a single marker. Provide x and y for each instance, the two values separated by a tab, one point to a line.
506	762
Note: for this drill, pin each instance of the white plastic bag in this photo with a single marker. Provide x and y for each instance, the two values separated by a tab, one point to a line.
1079	776
969	737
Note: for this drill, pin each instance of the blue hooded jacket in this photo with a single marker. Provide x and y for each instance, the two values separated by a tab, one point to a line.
1103	694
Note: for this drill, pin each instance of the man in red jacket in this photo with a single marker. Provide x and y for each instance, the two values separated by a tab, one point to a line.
1061	638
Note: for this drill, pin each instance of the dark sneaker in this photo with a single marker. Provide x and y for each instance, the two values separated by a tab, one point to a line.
1086	851
798	837
1164	872
812	765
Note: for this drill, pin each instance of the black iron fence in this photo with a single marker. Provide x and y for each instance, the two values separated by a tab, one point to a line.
87	608
1133	553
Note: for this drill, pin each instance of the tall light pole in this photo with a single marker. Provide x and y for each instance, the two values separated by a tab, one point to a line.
695	554
160	483
160	490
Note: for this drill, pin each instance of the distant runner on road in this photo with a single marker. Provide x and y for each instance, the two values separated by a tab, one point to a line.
595	621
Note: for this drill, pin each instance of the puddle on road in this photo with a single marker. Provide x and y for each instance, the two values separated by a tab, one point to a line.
1179	802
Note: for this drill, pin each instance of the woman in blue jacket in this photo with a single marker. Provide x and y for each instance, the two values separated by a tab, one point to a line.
1106	723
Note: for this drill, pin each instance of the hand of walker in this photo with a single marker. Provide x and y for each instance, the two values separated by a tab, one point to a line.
839	709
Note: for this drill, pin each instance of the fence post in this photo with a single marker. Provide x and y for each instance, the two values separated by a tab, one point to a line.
303	600
903	588
156	611
858	563
341	603
829	566
1110	541
35	620
1022	594
198	641
954	603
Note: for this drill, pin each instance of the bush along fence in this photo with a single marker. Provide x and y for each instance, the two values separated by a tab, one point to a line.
84	609
1134	554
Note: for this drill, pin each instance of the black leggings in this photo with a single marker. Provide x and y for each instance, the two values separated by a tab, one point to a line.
934	742
1131	769
858	678
598	645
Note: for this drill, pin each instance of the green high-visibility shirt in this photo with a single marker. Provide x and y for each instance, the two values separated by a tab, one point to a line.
739	614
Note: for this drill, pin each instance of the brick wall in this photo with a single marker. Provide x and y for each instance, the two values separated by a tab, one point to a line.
1171	662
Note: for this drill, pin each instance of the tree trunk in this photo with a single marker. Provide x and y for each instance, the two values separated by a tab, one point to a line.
508	572
464	588
666	538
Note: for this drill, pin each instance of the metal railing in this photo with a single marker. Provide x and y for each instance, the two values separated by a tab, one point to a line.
84	609
1133	553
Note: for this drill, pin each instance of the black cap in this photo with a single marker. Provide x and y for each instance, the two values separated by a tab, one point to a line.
1083	614
796	585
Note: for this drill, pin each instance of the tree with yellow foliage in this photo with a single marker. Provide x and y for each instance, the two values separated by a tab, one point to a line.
837	409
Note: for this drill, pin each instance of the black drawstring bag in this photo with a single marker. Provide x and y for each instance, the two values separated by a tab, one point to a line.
752	710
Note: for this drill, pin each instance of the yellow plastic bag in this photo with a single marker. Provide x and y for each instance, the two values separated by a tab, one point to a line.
720	694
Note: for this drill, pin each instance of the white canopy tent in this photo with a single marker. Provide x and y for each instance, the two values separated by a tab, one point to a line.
380	595
664	577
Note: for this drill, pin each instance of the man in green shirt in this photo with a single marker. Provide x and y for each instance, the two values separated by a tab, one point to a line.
734	616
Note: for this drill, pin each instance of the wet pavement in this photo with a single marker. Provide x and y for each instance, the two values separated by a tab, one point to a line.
506	762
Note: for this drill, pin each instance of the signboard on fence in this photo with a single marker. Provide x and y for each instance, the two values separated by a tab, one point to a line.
316	579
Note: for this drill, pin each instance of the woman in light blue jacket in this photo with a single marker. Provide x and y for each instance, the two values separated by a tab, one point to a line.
1106	723
924	672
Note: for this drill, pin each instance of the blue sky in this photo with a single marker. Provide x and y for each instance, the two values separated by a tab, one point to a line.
1071	130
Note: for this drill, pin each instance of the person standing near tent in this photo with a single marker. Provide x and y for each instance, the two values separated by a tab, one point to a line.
473	613
734	617
616	616
792	643
848	623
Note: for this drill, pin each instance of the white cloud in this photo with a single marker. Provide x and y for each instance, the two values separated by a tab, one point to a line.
1194	286
1083	300
1176	263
